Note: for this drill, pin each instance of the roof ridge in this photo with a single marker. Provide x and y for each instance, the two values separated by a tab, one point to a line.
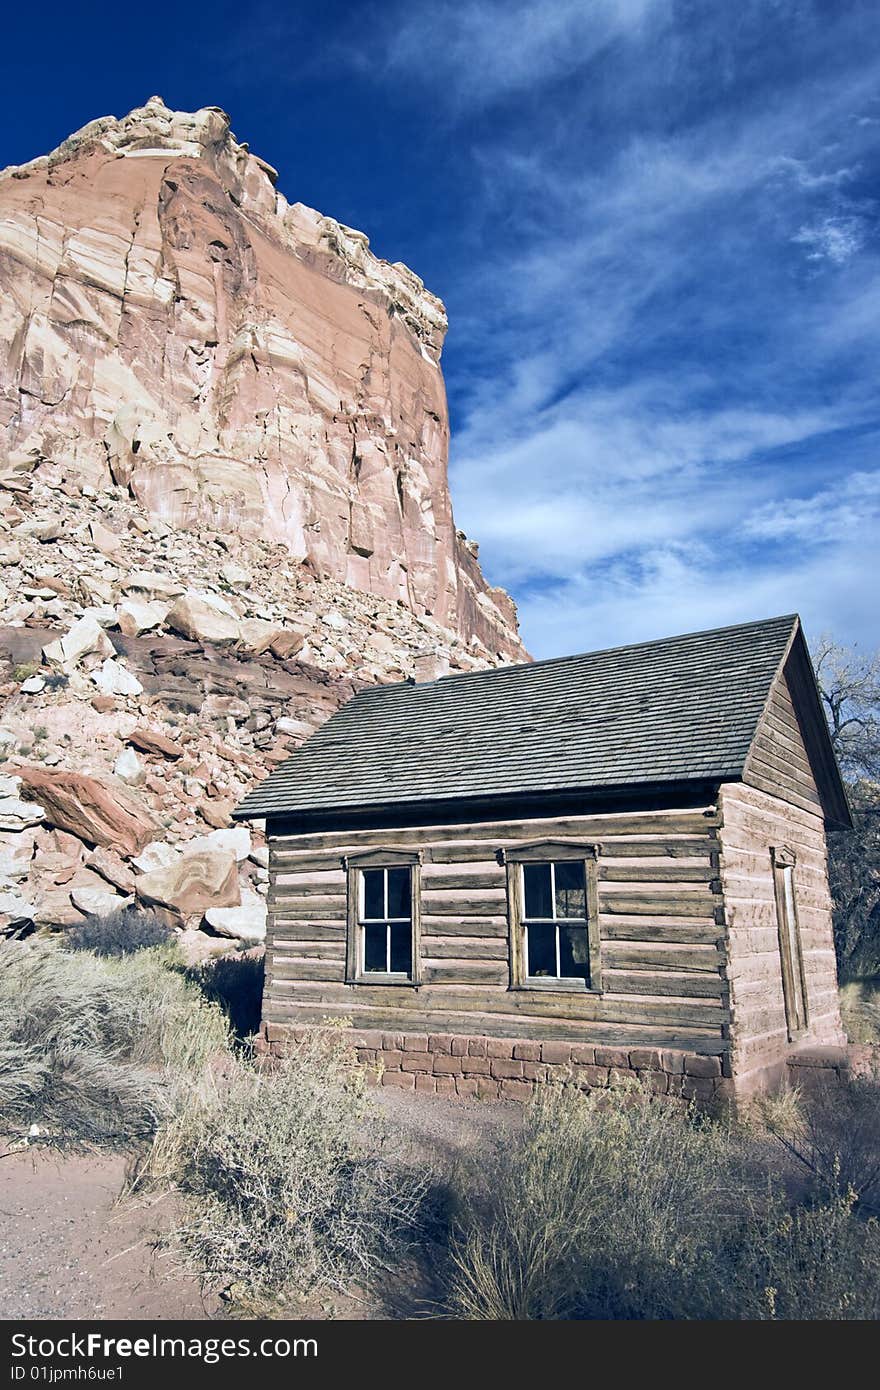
579	656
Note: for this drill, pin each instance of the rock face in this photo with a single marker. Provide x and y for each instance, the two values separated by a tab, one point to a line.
171	324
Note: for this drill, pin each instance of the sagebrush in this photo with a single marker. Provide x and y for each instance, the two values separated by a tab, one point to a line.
119	933
285	1182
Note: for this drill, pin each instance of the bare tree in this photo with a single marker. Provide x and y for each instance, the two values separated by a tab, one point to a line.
849	682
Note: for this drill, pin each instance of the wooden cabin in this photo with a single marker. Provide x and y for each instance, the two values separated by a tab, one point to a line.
596	865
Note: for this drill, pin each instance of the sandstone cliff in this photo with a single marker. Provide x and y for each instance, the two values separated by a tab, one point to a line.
171	325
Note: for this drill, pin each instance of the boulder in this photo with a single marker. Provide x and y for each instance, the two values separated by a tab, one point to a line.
113	679
152	741
287	644
198	881
104	615
257	635
151	584
245	923
97	902
113	868
294	728
234	575
18	815
158	855
15	911
16	853
86	636
106	541
98	812
216	813
129	768
234	840
32	686
135	616
204	618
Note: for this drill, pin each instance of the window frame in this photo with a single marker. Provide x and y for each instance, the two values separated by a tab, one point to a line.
354	865
791	950
549	852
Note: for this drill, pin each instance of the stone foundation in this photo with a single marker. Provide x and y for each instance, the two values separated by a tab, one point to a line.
448	1064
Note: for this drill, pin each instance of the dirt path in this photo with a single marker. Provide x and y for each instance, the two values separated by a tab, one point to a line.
66	1251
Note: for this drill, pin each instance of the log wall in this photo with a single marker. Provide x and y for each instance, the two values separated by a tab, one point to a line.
752	821
660	923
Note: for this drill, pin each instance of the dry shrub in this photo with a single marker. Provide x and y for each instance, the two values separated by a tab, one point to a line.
803	1262
285	1179
590	1208
860	1010
617	1206
119	933
831	1132
91	1048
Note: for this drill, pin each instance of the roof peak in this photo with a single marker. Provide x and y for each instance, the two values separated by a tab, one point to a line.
790	618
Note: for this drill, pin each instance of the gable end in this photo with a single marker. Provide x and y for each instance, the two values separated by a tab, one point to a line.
791	755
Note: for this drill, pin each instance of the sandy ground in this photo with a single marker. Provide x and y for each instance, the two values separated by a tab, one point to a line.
69	1250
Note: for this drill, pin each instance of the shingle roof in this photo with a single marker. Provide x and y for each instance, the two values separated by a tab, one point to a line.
682	709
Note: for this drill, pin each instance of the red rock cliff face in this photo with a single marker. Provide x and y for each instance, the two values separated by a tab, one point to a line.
171	323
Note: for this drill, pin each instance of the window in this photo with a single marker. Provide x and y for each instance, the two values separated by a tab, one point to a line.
555	921
794	989
383	918
386	921
553	917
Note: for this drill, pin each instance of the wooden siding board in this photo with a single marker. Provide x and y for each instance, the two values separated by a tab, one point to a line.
657	900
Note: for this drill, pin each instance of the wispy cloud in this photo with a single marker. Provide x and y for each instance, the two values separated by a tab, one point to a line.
664	304
482	51
833	239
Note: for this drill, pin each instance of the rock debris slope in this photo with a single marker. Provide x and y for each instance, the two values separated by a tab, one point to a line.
223	508
171	324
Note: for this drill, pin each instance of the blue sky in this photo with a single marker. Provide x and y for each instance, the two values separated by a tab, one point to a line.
655	227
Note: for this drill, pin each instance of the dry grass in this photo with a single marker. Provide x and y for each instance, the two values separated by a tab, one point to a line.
91	1048
860	1010
616	1206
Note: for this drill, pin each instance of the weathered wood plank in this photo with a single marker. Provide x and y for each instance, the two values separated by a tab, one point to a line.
689	822
434	882
287	931
439	925
299	968
683	847
680	985
653	955
539	1004
476	972
680	930
658	904
494	1025
464	947
458	904
308	950
656	873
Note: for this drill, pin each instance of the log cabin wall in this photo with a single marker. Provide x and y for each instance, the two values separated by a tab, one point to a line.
660	923
776	806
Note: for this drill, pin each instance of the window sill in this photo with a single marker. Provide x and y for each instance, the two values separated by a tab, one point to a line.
557	986
401	981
